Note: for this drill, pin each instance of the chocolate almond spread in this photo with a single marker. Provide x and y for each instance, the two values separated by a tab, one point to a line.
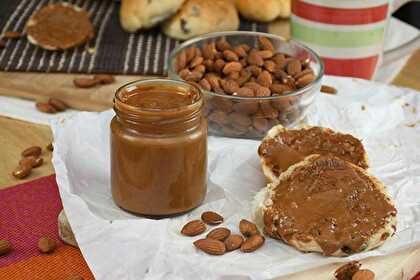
158	148
290	146
330	202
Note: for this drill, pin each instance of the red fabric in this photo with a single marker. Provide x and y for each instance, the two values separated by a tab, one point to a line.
339	16
417	277
27	212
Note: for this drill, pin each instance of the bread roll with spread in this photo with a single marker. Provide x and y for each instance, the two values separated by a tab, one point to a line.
283	147
198	17
264	10
328	205
143	14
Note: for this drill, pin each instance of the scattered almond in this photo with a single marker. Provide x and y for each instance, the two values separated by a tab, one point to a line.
233	242
32	151
45	108
30	160
85	82
364	274
5	247
328	89
210	246
247	228
38	162
220	233
22	171
12	35
193	228
46	245
58	105
252	243
211	218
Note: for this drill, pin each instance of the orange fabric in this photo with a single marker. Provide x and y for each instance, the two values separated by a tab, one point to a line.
66	260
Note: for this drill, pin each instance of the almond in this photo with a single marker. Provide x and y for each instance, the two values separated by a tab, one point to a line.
204	84
233	76
279	58
260	124
294	67
211	218
196	61
22	171
38	162
220	233
240	51
305	80
233	242
209	50
194	76
265	79
269	65
200	68
230	55
45	108
255	59
229	86
240	119
223	45
190	53
247	228
328	89
254	70
268	111
218	65
265	54
346	271
265	44
181	61
220	118
104	79
303	73
231	67
32	151
364	274
246	108
279	88
222	104
5	247
184	73
193	228
252	243
208	63
12	34
46	245
262	91
31	161
244	92
243	62
85	82
245	75
58	105
210	246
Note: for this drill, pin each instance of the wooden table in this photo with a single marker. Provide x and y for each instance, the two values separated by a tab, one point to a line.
16	135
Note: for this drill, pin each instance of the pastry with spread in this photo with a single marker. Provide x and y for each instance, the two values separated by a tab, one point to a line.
328	205
283	147
59	27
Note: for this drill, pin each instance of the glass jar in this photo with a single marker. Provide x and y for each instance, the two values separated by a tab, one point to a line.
158	148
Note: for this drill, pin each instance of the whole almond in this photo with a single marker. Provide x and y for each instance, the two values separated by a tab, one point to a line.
194	76
104	79
268	111
254	70
233	76
305	80
346	271
58	105
45	108
184	73
5	247
265	54
31	161
12	34
50	147
209	50
210	246
220	233
190	53
181	61
260	124
46	245
204	84
244	92
245	108
265	79
303	73
200	68
222	44
218	65
266	43
364	274
269	65
32	151
193	228
22	171
230	86
230	55
243	62
255	59
248	228
221	103
328	89
279	58
74	277
294	67
231	67
280	88
220	118
38	162
262	91
252	243
240	119
233	242
214	82
208	63
85	82
240	51
211	218
196	61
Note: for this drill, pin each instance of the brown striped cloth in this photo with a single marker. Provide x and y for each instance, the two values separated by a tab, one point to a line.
115	51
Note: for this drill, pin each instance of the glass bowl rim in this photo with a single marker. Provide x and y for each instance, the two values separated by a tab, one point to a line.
214	35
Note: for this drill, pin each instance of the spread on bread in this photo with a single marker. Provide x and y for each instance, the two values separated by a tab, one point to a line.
331	202
59	27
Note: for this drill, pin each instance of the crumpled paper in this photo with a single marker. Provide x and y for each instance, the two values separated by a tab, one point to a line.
118	245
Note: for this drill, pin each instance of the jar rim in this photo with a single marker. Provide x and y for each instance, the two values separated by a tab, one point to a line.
198	101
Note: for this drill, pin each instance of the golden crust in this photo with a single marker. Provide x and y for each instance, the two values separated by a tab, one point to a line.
264	10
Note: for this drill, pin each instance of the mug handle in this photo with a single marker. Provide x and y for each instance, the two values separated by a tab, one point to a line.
405	49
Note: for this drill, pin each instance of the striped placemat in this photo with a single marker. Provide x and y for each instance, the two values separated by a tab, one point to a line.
111	51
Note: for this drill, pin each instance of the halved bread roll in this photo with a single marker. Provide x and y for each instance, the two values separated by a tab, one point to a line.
328	205
283	147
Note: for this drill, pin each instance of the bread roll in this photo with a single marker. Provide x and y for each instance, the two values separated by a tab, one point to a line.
263	10
143	14
198	17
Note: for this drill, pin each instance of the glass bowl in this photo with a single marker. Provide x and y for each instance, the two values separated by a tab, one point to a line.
251	117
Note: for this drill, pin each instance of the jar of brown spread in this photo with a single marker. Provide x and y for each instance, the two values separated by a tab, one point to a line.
158	148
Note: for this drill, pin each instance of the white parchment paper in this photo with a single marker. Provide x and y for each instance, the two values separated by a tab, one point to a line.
118	245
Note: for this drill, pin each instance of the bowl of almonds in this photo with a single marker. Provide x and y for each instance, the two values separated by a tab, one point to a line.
251	81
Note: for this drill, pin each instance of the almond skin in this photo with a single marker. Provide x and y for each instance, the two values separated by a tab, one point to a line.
364	274
5	247
58	105
85	82
45	108
193	228
252	243
233	242
220	233
46	245
210	246
231	67
211	218
32	151
247	228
